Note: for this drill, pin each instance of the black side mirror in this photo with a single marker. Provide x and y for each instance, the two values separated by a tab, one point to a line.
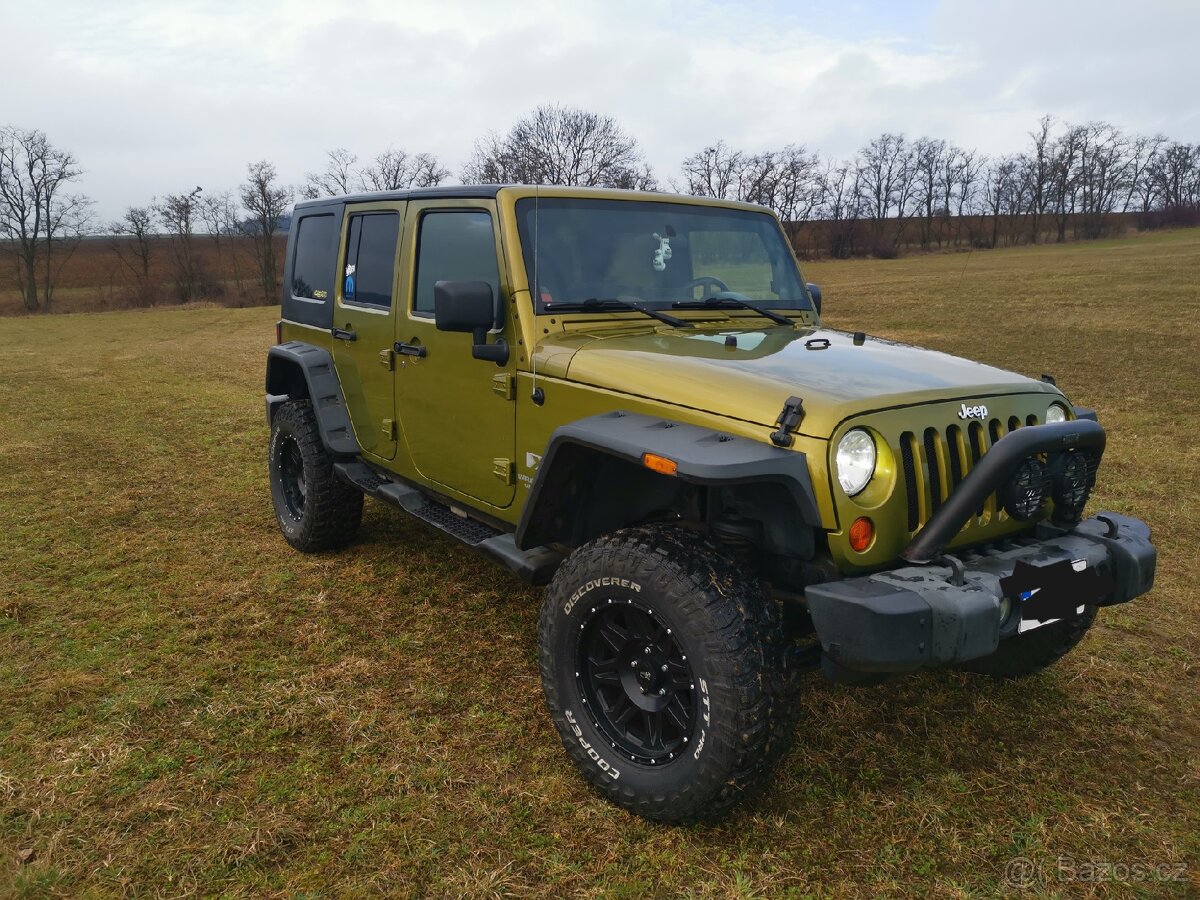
469	306
814	291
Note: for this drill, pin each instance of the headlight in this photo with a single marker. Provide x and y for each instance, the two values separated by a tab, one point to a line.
855	461
1056	413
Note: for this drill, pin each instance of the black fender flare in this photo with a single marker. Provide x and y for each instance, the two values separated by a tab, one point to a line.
702	456
296	370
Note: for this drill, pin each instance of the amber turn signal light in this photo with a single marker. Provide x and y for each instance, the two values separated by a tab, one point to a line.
862	532
659	464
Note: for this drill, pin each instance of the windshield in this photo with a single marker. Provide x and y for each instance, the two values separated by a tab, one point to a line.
656	254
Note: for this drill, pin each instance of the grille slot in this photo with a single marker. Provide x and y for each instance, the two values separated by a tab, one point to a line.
935	462
907	452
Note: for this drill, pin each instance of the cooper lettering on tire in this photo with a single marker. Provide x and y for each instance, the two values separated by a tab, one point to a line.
663	673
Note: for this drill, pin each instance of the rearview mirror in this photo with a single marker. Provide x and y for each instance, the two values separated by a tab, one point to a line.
814	291
469	306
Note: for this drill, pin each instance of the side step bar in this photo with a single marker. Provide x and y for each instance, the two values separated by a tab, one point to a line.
536	566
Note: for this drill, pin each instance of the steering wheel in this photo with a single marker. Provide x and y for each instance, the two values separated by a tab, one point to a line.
706	281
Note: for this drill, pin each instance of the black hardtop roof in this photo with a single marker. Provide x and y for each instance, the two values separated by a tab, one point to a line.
465	192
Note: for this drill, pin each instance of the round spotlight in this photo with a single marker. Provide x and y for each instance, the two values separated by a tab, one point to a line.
1023	493
1071	482
1006	608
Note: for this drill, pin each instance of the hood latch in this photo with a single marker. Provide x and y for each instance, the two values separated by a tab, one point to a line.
788	421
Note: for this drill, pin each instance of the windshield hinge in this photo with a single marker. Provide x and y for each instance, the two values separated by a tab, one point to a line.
788	421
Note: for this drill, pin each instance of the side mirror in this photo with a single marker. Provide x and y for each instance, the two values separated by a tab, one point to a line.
469	306
814	291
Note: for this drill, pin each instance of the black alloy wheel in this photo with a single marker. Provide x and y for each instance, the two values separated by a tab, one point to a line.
636	682
291	476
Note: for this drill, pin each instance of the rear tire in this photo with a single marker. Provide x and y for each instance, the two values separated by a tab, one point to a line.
315	509
1033	651
663	667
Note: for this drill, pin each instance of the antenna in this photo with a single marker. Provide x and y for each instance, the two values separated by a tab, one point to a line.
537	395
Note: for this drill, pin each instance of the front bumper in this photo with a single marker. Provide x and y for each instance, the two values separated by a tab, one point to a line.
950	611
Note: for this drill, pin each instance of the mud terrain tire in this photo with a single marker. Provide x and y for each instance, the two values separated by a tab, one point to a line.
686	629
315	509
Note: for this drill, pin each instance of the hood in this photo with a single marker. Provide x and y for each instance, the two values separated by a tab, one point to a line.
751	377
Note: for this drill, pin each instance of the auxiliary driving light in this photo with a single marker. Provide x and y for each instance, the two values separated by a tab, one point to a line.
1071	482
1023	493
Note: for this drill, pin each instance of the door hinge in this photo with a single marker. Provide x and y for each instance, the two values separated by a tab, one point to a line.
503	469
389	429
505	385
387	359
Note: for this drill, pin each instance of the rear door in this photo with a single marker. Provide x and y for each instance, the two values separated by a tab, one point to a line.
457	412
364	322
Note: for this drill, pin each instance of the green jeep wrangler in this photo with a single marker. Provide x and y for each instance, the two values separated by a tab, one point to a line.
630	398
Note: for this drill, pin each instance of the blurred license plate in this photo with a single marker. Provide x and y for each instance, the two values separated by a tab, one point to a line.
1035	613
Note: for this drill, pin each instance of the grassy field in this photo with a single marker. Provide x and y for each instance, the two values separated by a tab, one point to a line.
189	707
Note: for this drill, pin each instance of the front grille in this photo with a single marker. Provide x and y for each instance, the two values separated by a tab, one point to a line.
936	460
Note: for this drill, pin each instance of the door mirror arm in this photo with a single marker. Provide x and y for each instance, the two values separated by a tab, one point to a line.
481	349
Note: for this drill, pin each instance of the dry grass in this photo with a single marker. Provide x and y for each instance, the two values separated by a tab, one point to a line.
188	707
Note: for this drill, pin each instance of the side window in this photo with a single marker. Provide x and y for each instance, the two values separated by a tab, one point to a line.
371	259
454	246
312	267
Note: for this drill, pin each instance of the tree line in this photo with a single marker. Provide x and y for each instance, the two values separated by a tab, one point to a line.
1067	182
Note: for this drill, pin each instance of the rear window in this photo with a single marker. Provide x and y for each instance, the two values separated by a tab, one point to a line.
371	259
312	267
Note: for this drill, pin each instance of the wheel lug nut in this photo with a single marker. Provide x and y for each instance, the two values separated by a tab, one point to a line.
664	668
647	651
662	692
633	662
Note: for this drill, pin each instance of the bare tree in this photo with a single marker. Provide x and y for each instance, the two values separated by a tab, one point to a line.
179	214
1144	152
884	178
1001	185
928	159
219	214
137	225
1175	173
559	145
339	176
392	170
842	204
40	223
266	201
716	171
1037	168
796	189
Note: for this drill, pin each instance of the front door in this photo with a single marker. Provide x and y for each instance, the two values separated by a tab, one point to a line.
457	412
364	319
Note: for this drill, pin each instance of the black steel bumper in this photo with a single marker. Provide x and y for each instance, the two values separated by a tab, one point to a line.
950	611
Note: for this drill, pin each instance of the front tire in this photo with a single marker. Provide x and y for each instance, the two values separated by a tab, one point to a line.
315	509
1033	651
662	664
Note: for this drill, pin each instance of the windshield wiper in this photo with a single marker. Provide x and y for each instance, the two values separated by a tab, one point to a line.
597	303
719	301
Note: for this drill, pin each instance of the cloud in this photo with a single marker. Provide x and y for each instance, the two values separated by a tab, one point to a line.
153	97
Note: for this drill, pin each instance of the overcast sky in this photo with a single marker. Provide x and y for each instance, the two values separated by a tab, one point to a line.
162	96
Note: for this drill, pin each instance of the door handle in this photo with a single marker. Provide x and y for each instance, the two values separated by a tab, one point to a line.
410	349
343	334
